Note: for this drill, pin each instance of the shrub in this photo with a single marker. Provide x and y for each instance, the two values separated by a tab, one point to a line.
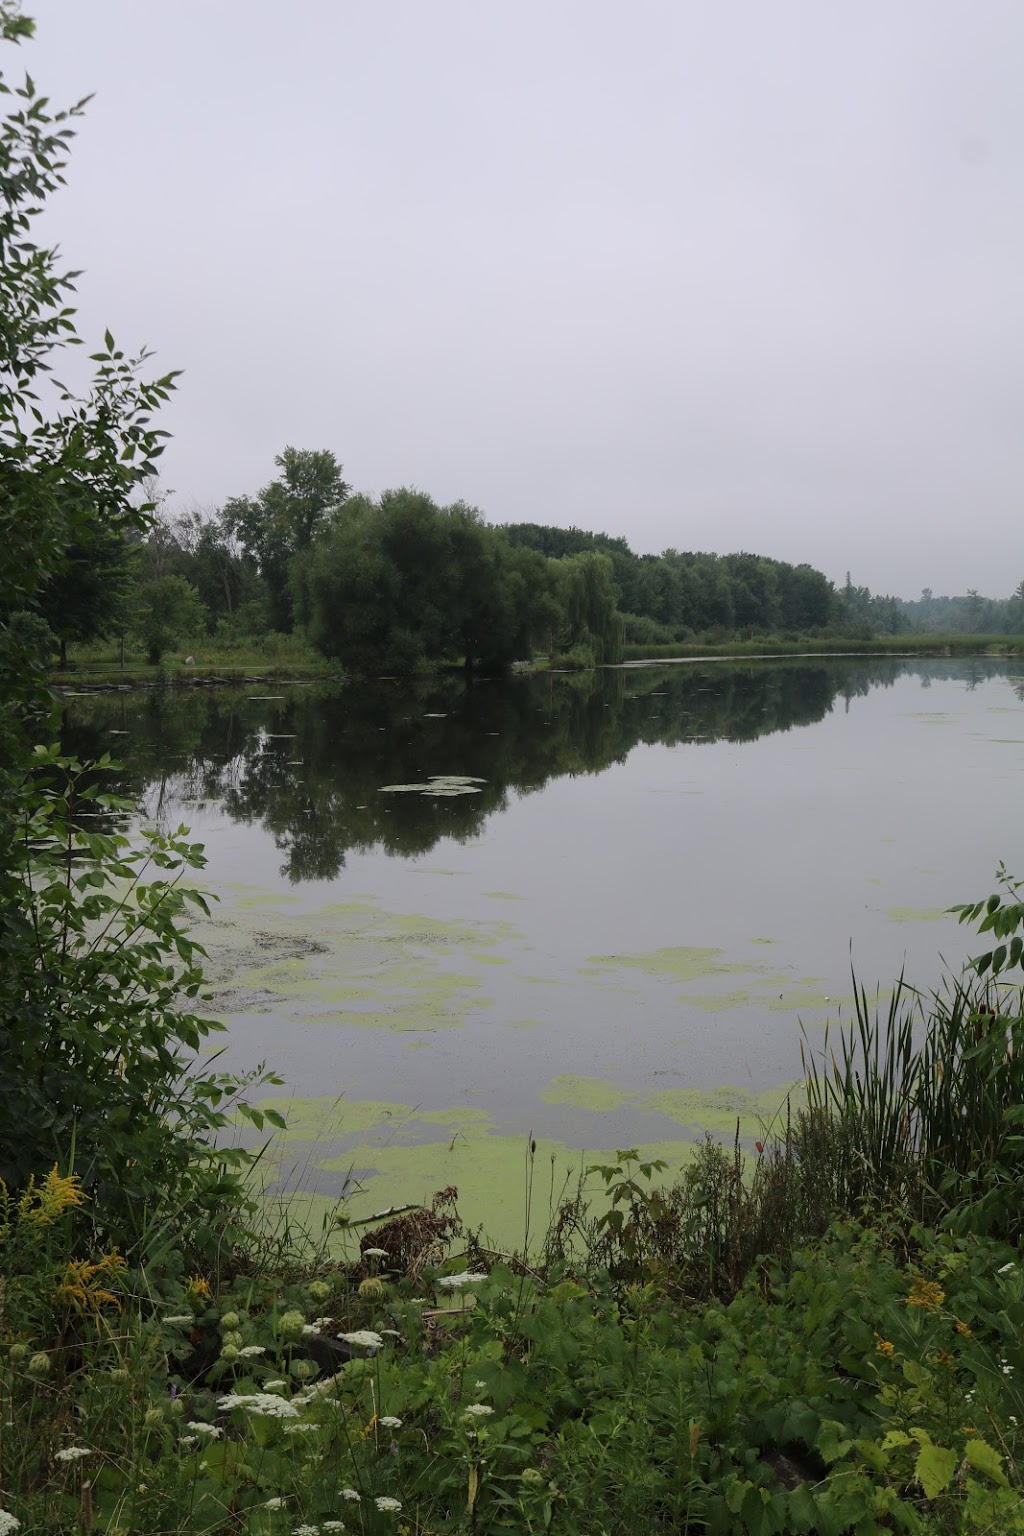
100	1073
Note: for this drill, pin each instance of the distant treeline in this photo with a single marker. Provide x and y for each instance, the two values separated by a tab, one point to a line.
393	583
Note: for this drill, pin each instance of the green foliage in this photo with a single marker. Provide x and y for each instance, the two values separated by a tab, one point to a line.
1001	916
169	609
929	1099
850	1389
68	465
100	1071
394	585
284	519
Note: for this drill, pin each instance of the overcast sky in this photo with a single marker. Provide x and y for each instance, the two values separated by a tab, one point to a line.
712	274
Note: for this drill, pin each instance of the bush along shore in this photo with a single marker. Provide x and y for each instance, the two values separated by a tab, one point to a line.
825	1337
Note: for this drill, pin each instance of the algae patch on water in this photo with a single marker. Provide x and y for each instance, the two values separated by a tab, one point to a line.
351	964
676	964
584	1093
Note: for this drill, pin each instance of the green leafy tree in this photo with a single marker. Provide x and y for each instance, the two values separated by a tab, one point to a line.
86	597
68	465
96	1049
283	519
168	609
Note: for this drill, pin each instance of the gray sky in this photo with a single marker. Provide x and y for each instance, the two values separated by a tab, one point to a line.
743	274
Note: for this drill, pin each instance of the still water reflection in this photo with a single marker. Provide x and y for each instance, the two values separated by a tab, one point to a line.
611	933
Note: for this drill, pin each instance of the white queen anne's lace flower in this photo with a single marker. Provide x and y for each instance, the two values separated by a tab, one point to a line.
250	1351
388	1506
73	1453
265	1403
477	1410
8	1523
452	1282
364	1337
205	1429
388	1421
350	1495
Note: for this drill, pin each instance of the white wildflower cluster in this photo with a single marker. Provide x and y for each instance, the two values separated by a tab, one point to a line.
1004	1269
375	1253
388	1421
277	1382
180	1320
350	1495
452	1282
388	1506
275	1503
317	1389
8	1523
364	1337
265	1403
250	1351
73	1453
477	1411
299	1429
333	1525
189	1440
203	1428
306	1530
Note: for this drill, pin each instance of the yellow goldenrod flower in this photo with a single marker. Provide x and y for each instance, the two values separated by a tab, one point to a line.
962	1329
85	1287
926	1294
43	1204
884	1348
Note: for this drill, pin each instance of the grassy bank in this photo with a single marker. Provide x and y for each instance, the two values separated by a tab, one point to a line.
821	1338
897	645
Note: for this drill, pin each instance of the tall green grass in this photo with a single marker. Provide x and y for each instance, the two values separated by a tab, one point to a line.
929	1099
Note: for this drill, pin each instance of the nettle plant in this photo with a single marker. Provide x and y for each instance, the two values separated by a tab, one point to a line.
103	1075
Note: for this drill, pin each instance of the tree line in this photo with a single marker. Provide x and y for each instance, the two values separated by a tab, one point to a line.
395	582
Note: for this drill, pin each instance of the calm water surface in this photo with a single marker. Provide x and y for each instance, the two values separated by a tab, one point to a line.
611	934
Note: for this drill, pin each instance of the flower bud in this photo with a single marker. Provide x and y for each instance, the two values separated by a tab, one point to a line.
120	1373
18	1353
319	1290
235	1338
229	1352
154	1418
371	1288
230	1320
303	1370
290	1325
39	1365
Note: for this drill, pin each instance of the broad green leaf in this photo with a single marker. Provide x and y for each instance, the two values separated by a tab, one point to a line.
934	1468
984	1458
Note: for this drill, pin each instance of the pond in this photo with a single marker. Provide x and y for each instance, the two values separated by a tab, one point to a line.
599	910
